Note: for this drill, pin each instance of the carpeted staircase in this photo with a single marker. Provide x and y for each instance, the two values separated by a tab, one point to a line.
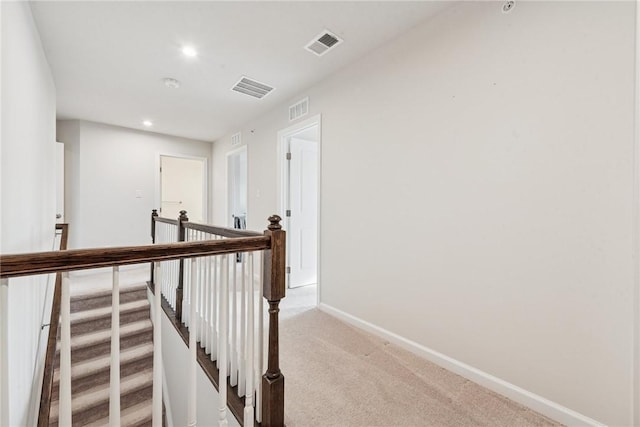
90	359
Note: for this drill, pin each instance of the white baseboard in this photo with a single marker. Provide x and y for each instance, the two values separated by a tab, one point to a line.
513	392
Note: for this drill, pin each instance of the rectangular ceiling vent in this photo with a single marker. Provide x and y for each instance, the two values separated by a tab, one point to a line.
299	109
236	139
324	42
252	88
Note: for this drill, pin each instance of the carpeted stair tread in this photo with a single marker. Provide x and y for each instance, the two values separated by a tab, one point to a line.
134	416
103	335
94	401
104	322
90	366
103	348
99	377
103	298
91	359
97	313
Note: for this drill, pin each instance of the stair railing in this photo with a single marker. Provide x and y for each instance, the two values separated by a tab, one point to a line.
200	252
218	300
52	339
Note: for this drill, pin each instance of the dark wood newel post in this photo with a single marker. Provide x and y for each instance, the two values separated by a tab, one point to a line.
154	214
181	238
274	291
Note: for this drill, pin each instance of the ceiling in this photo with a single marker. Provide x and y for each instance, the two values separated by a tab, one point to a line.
109	58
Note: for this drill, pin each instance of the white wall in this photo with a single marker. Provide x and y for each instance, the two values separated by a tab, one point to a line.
27	197
477	190
176	359
112	180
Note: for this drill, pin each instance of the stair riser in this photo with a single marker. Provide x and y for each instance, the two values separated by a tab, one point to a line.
81	304
103	377
102	323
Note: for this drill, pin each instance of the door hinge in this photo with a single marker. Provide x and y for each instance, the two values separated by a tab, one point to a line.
288	213
288	270
160	169
288	156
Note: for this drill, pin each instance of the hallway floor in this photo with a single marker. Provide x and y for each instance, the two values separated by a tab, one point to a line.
337	375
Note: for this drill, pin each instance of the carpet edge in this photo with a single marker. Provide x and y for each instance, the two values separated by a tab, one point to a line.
531	400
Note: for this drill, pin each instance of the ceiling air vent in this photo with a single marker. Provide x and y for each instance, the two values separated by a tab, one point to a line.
299	109
252	88
321	44
236	139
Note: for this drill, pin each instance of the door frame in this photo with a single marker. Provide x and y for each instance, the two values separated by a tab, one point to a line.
228	198
283	135
205	181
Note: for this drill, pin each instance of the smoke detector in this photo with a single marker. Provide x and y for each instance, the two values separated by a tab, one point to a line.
508	6
323	42
171	83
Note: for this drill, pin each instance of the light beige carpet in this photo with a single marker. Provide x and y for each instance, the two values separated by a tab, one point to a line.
336	375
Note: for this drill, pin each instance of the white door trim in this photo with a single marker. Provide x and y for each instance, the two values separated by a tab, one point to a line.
205	178
281	148
226	174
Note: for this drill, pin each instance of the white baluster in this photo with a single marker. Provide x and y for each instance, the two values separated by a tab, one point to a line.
260	353
222	345
248	397
207	304
114	381
243	330
233	304
157	356
193	352
172	285
64	417
200	296
214	307
4	352
186	291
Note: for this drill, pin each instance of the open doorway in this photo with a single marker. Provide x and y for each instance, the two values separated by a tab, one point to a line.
183	187
300	189
237	188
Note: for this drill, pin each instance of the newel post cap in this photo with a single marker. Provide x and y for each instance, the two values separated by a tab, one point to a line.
274	222
183	216
154	212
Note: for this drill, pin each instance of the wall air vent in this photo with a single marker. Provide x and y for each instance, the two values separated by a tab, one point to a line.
252	88
324	42
299	109
236	139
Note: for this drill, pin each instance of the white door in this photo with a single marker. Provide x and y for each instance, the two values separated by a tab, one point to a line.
182	187
302	210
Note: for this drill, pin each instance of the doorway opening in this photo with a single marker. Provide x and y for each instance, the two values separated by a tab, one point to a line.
183	186
237	188
300	190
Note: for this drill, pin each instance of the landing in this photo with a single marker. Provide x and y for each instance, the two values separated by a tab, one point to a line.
337	375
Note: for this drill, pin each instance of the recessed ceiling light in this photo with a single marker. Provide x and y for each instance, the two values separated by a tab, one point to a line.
172	83
147	123
189	51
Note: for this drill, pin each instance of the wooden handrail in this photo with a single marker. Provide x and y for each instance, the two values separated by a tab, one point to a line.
82	259
166	220
47	379
220	231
